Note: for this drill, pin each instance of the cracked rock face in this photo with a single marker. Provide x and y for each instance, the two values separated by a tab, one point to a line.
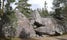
42	26
46	25
24	29
51	27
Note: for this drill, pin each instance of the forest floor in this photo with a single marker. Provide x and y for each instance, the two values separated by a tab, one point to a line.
63	37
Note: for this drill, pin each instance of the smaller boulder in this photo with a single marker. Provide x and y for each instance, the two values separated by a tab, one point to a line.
45	30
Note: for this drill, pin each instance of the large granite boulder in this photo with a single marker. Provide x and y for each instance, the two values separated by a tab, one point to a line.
51	27
24	29
36	17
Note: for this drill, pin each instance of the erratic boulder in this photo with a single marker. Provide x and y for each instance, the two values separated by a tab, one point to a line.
48	25
24	29
51	27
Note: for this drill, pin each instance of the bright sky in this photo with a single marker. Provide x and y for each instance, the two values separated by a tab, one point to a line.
39	4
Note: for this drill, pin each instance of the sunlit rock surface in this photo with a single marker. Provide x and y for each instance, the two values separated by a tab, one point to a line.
51	27
36	17
24	29
47	25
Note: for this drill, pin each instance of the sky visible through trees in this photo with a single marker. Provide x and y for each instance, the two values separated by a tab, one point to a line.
39	4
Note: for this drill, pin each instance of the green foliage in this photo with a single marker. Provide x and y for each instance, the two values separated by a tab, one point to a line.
23	7
64	14
8	19
43	13
9	12
12	0
60	12
57	8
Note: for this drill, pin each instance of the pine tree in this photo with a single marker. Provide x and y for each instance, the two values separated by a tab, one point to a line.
23	6
43	12
60	11
7	16
58	8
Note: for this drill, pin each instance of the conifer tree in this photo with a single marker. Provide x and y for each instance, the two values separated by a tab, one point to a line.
7	16
24	7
